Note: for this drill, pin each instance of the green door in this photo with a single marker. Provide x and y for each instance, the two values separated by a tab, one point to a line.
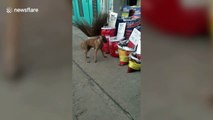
85	10
74	11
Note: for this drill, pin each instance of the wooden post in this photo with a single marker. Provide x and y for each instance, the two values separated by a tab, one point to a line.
11	43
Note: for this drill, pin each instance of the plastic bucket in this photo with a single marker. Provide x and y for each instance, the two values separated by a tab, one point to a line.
133	66
123	57
107	32
134	63
113	48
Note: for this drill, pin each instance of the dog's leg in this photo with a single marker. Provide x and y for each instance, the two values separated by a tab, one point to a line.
96	53
88	48
103	54
86	57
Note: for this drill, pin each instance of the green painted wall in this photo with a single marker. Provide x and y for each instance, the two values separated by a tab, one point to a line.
83	10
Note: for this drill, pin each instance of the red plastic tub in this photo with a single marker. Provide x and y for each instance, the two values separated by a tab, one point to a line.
107	32
113	46
113	49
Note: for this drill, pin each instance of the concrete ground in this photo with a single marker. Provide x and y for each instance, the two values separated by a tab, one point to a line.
103	90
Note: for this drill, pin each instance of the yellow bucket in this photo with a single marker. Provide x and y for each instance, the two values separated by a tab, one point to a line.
134	65
123	56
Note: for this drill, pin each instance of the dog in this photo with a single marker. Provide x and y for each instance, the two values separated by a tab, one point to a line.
95	43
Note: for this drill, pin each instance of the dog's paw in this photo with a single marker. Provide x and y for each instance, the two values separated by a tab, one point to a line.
88	61
95	61
88	57
105	56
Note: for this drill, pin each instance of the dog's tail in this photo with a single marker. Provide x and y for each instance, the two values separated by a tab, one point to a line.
82	45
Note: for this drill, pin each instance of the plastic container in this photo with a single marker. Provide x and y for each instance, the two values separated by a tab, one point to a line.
113	46
107	32
134	63
124	52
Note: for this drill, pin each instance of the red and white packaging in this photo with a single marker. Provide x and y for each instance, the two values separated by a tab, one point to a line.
107	32
113	46
134	38
138	51
113	42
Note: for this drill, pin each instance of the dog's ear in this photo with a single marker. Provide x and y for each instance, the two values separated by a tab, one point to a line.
104	39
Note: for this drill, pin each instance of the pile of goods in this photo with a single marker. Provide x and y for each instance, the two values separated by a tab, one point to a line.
122	34
124	37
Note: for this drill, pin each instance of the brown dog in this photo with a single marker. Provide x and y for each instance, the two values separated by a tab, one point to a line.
95	43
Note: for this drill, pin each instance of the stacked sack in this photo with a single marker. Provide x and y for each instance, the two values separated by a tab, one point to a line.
124	40
131	23
131	15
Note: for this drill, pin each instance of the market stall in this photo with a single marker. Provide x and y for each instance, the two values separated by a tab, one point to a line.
122	31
